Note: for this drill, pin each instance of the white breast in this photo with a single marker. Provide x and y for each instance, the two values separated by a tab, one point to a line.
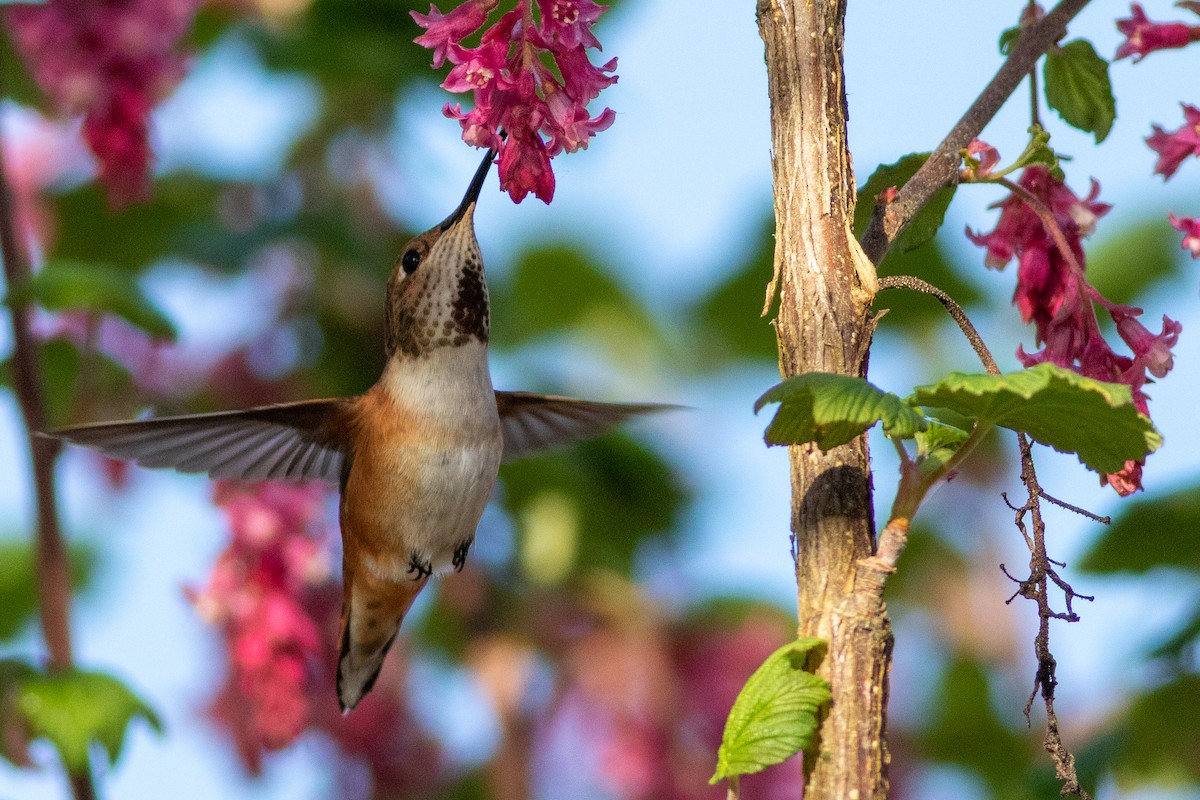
449	391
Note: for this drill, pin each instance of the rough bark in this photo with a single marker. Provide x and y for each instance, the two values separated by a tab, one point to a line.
826	284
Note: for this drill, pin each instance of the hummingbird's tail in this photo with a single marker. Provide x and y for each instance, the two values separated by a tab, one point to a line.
372	610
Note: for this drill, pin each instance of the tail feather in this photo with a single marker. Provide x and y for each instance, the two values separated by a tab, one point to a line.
372	611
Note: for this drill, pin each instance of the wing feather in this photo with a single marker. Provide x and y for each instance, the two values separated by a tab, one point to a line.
292	441
532	422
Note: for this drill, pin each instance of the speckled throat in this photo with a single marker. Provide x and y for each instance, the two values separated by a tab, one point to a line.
444	303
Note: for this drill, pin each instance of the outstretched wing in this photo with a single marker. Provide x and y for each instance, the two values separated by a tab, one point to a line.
532	422
290	441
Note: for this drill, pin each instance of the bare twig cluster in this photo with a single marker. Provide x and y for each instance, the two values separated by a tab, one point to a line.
1036	587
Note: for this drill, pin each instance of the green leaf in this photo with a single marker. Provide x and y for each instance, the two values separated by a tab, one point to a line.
75	708
1073	414
937	444
1008	37
833	409
1078	88
925	224
1039	151
1145	535
775	714
69	285
18	582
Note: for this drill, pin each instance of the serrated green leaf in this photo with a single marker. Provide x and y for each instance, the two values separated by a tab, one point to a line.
832	409
775	715
70	285
1096	421
925	224
1143	535
1079	89
75	708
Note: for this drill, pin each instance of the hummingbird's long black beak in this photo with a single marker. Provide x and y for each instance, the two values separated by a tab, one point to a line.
473	191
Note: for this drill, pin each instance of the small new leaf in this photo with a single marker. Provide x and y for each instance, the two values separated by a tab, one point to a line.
833	409
775	715
1097	421
73	709
937	444
67	285
1079	89
925	224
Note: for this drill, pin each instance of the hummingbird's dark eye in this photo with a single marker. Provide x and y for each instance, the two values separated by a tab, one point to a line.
410	261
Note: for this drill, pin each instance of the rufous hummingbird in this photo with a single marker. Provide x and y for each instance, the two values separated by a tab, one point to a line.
416	455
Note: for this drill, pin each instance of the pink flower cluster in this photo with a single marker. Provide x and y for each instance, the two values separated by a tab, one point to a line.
255	594
525	109
1054	294
1143	37
110	62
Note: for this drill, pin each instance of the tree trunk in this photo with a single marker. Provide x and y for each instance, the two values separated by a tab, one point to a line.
826	284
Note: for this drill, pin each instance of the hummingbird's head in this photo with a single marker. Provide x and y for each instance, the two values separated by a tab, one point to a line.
437	296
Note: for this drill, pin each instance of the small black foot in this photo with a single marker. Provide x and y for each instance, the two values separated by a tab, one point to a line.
460	555
417	568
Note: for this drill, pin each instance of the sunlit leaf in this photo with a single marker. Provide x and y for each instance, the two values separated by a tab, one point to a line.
1079	89
833	409
75	708
775	715
1097	421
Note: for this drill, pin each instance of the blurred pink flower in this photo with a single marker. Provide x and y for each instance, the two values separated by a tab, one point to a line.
523	109
1174	147
1144	37
110	62
1054	294
255	595
1190	228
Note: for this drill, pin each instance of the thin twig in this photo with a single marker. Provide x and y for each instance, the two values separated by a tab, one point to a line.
941	167
954	309
53	568
1035	587
1083	512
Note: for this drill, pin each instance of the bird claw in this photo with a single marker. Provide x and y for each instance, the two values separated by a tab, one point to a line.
460	555
417	568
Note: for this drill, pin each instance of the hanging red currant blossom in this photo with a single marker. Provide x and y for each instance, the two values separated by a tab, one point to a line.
1173	148
256	595
526	110
1143	37
1054	294
110	62
1190	228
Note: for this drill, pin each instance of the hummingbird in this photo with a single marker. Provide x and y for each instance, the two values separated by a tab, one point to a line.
415	456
